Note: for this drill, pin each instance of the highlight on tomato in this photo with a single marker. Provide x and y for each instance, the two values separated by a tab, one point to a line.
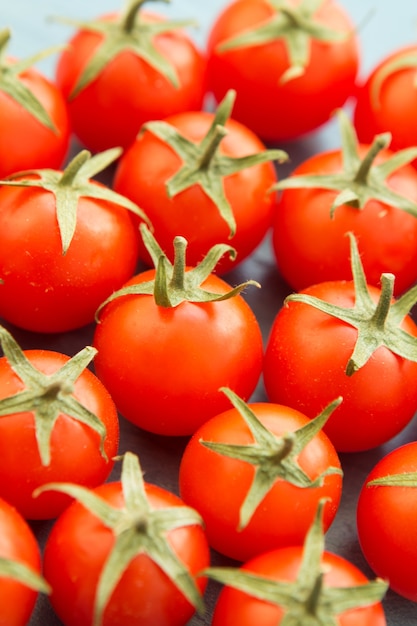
67	242
351	339
204	176
300	584
273	54
126	552
171	337
367	189
269	465
34	120
125	68
57	423
20	568
386	515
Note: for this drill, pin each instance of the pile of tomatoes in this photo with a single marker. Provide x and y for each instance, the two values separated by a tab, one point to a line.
209	353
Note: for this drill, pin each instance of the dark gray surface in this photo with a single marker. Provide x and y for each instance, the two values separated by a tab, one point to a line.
380	31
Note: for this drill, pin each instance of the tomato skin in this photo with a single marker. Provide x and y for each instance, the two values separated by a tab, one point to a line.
75	448
311	246
304	367
164	366
75	553
128	92
235	607
45	291
25	142
18	543
386	522
144	169
274	110
384	115
274	524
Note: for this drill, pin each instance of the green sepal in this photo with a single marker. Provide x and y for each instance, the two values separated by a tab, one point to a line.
378	324
127	33
73	183
306	601
23	574
11	84
296	27
273	457
203	164
405	479
359	180
48	395
175	283
138	529
405	61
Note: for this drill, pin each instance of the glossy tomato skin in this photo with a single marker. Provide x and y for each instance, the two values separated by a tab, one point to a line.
277	110
78	546
45	291
128	91
75	448
311	246
386	522
144	169
25	142
235	607
381	113
18	543
304	367
285	514
164	366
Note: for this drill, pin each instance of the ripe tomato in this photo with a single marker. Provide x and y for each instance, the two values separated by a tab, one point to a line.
349	349
351	189
20	556
193	182
34	120
264	484
65	245
124	69
164	364
376	110
386	519
251	49
57	422
126	554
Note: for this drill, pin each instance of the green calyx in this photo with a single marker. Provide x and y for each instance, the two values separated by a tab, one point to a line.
127	33
11	84
359	180
306	601
203	164
138	529
273	457
21	573
378	324
405	61
173	282
405	479
296	26
48	395
73	183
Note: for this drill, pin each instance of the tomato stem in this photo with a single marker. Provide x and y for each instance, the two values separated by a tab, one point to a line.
379	143
129	17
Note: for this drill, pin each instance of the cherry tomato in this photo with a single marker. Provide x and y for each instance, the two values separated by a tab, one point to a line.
272	83
152	69
386	519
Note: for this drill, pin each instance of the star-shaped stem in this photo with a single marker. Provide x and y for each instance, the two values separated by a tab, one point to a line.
18	571
48	395
378	324
273	457
174	283
73	183
405	61
359	179
128	32
11	84
296	26
307	601
203	164
138	529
